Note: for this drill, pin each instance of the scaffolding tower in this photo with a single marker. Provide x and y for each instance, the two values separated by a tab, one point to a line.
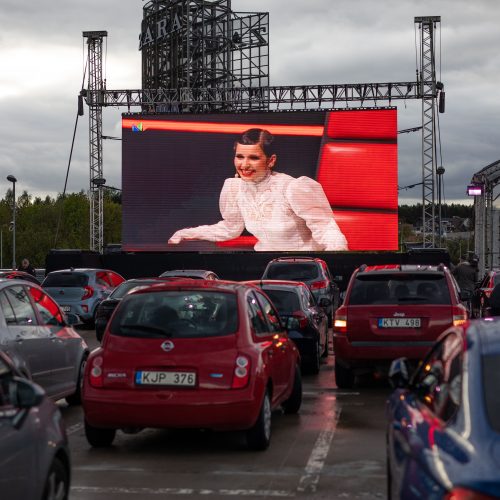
95	84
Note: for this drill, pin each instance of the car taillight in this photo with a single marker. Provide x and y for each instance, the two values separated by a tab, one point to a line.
318	284
459	315
301	317
89	291
488	291
340	320
467	494
95	373
241	374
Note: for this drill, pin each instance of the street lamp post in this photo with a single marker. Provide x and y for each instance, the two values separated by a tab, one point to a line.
12	179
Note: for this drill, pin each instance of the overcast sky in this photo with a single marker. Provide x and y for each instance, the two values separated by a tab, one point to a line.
42	57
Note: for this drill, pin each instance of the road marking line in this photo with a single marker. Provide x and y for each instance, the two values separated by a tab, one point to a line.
309	481
182	491
73	429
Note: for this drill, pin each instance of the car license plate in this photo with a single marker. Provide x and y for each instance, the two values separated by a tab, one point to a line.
399	322
179	379
66	309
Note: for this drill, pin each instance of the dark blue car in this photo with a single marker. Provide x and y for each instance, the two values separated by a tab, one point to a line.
443	434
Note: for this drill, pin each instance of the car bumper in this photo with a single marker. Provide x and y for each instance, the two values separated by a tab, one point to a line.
362	353
305	345
210	409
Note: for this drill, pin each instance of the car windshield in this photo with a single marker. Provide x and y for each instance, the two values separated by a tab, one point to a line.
295	271
285	301
177	314
402	288
491	373
69	279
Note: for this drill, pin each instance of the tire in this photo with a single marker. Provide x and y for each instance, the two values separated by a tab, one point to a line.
259	436
57	483
324	354
292	405
344	377
98	437
76	398
314	365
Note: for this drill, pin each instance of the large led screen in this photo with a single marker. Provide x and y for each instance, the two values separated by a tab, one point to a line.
291	181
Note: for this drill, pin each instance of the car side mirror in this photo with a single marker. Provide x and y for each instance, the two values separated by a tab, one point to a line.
465	294
72	319
399	374
324	302
27	394
290	323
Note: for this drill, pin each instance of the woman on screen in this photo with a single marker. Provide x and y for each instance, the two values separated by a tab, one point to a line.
284	213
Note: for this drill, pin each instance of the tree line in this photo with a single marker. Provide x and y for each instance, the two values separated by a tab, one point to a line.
61	222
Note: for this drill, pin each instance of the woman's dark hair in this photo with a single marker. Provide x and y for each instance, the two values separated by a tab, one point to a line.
258	136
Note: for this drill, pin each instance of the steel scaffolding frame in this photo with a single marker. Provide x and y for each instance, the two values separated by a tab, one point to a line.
229	94
427	26
95	84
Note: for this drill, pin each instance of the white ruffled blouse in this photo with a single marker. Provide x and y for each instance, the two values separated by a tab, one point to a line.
284	213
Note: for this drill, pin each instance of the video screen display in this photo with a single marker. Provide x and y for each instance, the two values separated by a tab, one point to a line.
292	181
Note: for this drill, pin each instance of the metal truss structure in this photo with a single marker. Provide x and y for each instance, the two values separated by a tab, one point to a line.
95	84
199	57
195	44
427	82
486	233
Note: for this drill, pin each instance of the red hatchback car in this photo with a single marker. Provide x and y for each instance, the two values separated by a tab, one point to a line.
391	311
192	354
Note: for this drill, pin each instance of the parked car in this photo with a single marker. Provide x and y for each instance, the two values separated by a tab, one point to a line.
192	354
19	275
305	320
80	291
34	453
391	311
443	421
106	308
310	270
40	340
200	274
482	293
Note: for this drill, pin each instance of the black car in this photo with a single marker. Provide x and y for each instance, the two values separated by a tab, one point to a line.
107	306
482	293
305	320
310	270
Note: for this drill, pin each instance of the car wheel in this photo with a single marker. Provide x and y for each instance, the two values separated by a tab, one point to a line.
259	436
313	366
76	397
98	437
344	377
324	354
293	403
57	483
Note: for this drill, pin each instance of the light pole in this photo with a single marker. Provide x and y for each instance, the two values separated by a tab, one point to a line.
12	179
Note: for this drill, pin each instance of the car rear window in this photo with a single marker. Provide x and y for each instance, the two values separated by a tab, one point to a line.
121	290
296	271
66	280
491	373
176	314
285	301
399	289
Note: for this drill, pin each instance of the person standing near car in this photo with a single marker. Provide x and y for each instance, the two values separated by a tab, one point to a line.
27	267
466	273
281	211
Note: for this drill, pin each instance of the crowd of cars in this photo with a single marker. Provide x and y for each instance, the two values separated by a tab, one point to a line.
187	349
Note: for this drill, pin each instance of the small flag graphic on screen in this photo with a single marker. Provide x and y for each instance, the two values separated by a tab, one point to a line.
137	128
